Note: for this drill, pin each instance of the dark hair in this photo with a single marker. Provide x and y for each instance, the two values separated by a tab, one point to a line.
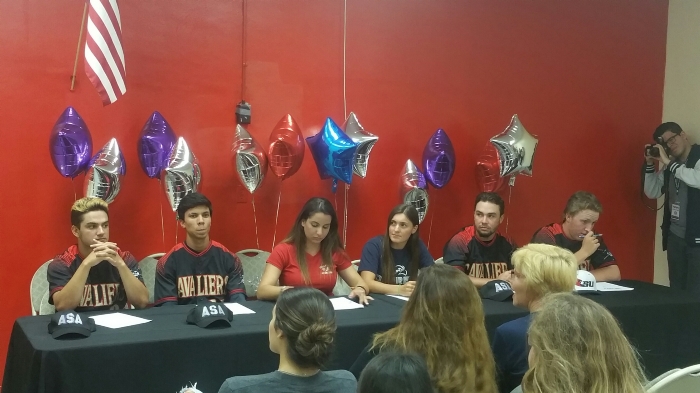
306	317
491	197
391	372
329	245
190	201
668	126
388	264
86	205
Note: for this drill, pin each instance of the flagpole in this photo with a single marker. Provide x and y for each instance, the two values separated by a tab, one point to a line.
77	51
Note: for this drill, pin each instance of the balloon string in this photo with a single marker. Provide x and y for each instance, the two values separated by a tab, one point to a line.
510	193
255	218
430	229
277	215
345	34
335	201
75	194
175	231
345	217
162	221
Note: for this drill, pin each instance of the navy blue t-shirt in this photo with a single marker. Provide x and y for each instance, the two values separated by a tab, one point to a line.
510	352
372	256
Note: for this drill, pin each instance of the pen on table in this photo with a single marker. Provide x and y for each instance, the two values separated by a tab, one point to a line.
595	235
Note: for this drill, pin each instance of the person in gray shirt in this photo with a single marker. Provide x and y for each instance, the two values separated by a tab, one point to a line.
302	332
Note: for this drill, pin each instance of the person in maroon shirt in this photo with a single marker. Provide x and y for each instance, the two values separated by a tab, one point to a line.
311	255
94	274
480	250
576	234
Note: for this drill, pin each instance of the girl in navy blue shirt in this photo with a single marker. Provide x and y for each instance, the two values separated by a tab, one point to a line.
390	262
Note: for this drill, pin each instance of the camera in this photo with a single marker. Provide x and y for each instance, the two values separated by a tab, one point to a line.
652	151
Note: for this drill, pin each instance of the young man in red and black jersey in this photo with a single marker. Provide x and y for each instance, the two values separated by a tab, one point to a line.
576	234
94	274
198	268
479	250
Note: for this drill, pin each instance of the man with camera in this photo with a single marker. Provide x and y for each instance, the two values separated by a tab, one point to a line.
678	178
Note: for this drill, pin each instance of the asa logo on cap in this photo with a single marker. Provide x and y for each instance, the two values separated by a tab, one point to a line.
69	318
502	286
214	309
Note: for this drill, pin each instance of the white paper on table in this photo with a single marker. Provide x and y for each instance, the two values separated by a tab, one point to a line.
404	298
118	320
238	308
343	303
609	287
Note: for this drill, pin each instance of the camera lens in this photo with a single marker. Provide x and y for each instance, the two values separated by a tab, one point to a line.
653	151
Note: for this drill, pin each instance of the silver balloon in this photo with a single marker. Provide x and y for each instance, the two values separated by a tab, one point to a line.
181	175
102	179
365	142
250	159
414	189
516	149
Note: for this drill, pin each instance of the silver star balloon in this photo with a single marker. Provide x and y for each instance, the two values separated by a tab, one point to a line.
414	189
516	149
102	179
365	142
249	158
181	175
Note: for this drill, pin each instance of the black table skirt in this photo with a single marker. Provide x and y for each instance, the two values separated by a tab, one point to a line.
166	353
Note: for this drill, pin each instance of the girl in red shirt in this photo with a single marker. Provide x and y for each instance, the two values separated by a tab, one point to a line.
312	255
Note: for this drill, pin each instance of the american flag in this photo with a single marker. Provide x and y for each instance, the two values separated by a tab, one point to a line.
104	57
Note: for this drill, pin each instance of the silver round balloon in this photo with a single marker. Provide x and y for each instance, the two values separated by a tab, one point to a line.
414	189
181	175
249	158
516	149
102	179
365	142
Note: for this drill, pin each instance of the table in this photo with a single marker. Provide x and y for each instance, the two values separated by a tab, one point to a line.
165	354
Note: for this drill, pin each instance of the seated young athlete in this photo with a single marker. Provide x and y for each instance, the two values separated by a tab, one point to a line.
198	268
94	274
576	234
390	262
312	255
479	250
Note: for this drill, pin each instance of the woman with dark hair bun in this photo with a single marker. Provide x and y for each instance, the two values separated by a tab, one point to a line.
302	332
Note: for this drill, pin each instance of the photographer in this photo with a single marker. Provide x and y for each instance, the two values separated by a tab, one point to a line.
679	178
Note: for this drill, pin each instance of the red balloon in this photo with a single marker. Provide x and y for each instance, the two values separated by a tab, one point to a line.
488	176
286	151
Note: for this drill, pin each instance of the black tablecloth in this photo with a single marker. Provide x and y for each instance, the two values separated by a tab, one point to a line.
166	353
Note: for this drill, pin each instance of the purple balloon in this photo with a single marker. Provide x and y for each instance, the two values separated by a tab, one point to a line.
155	143
439	159
70	144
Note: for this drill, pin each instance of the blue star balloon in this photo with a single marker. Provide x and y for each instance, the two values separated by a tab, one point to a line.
333	152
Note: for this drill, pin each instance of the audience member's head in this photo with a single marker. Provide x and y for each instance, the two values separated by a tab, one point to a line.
444	323
541	269
395	372
303	327
578	347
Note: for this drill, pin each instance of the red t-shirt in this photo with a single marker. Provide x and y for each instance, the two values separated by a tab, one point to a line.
284	257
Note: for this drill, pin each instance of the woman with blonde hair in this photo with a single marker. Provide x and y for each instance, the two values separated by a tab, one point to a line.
538	270
577	346
443	322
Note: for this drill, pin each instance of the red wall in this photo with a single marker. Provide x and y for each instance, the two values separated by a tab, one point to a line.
585	77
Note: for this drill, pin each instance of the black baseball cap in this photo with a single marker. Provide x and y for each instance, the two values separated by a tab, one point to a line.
70	324
497	290
208	314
